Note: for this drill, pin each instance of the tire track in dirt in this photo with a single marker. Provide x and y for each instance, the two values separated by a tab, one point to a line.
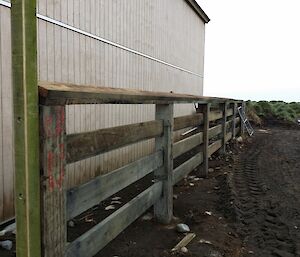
259	217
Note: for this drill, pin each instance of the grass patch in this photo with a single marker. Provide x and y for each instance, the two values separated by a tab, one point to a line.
273	110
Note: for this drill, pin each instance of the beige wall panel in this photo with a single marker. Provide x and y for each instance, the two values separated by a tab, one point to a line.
168	30
6	119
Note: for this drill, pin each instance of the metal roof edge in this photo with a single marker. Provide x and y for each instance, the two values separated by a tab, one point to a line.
197	8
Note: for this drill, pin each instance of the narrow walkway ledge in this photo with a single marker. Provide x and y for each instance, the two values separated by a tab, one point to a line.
68	94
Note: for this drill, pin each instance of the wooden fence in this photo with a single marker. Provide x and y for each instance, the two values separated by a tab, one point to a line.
59	149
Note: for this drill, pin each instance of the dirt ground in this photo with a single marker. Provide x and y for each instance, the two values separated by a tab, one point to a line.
248	206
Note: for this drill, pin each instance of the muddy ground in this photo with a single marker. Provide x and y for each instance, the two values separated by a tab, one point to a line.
248	206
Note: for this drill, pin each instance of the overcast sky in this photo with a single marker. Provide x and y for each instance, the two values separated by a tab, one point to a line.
252	49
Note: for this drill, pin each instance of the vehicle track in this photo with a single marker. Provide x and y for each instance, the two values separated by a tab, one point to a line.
262	220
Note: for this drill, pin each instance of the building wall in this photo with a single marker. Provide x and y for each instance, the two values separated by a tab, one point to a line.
168	30
6	121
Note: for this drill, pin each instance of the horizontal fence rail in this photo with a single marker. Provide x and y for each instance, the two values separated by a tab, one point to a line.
84	145
211	129
68	94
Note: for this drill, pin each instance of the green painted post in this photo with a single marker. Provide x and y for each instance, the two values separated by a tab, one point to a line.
26	126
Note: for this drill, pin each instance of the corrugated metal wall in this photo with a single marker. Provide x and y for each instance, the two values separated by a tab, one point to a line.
168	30
6	121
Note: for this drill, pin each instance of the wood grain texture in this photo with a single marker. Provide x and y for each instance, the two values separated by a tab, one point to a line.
215	131
100	235
224	126
26	127
215	146
228	137
207	115
187	167
229	111
187	144
163	208
234	106
188	121
83	197
84	145
53	167
68	94
215	115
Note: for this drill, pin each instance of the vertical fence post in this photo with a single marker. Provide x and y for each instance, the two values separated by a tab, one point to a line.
242	123
163	208
233	120
205	110
224	130
53	165
26	128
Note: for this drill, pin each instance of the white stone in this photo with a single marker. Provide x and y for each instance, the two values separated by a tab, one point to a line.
184	249
239	139
110	207
182	228
7	245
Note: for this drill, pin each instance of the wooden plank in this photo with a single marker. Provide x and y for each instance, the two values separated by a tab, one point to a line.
242	123
187	167
184	242
234	119
26	127
87	195
66	94
100	235
212	148
53	166
187	144
205	109
214	131
215	115
228	124
224	127
229	112
163	209
188	121
228	137
88	144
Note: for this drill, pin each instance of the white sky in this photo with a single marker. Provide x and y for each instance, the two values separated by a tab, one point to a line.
252	49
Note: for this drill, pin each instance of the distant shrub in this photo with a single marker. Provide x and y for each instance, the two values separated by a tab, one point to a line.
275	110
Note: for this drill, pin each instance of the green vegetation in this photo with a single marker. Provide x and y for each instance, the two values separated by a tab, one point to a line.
273	110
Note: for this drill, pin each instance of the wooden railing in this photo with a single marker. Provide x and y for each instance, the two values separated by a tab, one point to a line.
58	149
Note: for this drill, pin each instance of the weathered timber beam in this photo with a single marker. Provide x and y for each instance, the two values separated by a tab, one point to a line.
53	168
100	235
188	121
215	115
214	131
66	94
187	167
187	144
212	148
84	145
228	137
163	208
229	112
85	196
